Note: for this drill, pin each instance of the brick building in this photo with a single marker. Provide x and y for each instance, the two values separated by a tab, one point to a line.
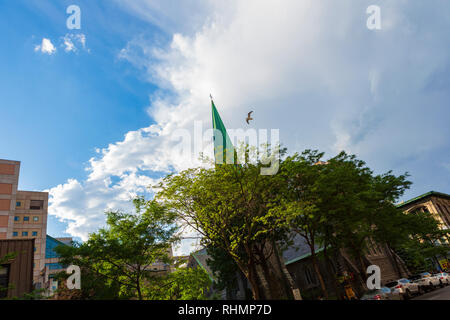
23	214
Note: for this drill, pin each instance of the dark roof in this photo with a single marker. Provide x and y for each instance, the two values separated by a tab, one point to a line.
298	251
201	257
423	196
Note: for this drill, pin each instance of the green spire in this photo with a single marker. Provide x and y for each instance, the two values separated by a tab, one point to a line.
224	152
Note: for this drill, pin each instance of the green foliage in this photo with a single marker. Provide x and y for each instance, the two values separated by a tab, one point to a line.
115	261
224	269
187	284
415	236
229	207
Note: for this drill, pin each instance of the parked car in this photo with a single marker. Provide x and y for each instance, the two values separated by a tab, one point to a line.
444	278
426	281
405	287
382	294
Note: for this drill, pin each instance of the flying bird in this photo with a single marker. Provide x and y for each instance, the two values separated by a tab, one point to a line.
249	117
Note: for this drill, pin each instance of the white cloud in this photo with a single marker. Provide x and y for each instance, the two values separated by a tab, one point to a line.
46	47
71	40
310	68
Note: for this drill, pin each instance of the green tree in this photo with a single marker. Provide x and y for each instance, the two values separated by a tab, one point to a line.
336	204
416	236
298	203
186	284
352	200
224	269
116	260
229	207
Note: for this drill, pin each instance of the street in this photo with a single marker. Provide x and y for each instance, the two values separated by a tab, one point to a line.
439	294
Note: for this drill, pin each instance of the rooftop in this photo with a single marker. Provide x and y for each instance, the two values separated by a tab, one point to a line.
423	196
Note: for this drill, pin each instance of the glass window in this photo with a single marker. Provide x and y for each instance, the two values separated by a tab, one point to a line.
404	281
35	219
16	218
24	233
34	234
36	204
18	204
26	218
15	234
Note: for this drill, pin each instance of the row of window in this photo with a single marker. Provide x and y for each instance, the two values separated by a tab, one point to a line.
26	218
34	204
25	233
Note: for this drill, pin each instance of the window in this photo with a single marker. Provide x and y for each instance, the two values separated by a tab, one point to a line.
15	234
26	218
35	219
4	280
404	281
24	233
34	233
36	204
16	218
34	249
309	276
54	266
18	204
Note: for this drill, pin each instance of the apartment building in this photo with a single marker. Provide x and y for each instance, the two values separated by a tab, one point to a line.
23	214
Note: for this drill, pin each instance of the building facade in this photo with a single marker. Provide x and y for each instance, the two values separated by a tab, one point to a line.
16	273
437	203
342	271
23	214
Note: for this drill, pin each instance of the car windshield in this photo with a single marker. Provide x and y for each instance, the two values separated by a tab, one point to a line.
404	281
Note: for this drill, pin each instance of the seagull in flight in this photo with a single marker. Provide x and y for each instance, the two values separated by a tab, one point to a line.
249	117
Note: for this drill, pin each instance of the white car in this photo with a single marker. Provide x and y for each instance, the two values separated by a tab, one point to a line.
426	281
443	277
405	287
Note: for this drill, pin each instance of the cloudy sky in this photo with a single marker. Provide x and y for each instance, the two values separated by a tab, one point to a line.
93	113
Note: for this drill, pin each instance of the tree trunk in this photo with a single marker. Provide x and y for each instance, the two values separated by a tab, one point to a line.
290	285
319	275
330	271
264	279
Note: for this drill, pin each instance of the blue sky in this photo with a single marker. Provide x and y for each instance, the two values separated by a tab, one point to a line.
95	125
71	102
58	108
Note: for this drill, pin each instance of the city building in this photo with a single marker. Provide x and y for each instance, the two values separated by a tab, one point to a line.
341	266
438	204
23	214
52	263
16	272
